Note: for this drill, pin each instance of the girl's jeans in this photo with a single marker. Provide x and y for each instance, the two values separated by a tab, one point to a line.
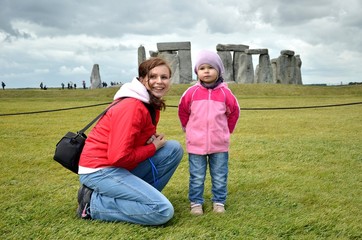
135	196
218	163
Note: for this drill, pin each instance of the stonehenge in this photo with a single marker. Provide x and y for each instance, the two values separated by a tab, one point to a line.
237	60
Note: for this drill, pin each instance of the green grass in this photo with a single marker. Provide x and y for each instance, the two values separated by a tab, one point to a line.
294	174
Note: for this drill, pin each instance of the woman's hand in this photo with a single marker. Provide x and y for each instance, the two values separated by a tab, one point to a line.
158	140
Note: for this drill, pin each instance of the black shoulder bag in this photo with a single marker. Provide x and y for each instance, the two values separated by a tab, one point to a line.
69	148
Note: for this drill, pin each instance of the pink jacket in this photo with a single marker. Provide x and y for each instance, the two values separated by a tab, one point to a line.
208	116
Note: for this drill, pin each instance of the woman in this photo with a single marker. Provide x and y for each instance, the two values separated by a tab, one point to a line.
125	163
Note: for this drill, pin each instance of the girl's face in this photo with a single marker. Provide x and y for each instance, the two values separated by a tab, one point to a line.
158	81
207	73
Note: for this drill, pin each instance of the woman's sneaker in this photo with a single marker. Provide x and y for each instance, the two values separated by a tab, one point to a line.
84	197
196	209
218	207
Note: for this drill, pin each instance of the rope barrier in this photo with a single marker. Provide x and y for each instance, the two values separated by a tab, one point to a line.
242	109
304	107
53	110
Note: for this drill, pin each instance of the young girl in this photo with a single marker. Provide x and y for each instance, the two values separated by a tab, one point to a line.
208	112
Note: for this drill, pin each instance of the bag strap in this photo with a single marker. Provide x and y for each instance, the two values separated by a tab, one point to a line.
94	120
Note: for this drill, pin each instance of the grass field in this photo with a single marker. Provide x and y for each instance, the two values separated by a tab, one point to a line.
294	174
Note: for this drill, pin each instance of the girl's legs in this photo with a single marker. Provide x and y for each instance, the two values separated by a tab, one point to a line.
120	195
197	168
218	163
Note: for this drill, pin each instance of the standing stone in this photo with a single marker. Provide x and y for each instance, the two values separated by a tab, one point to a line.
291	71
95	77
298	70
185	66
264	73
141	54
283	65
274	70
227	61
243	68
172	59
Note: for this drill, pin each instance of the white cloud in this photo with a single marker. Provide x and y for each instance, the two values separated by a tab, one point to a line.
64	70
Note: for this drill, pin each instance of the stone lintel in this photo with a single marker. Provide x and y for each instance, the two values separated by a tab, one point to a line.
231	47
173	46
257	51
287	52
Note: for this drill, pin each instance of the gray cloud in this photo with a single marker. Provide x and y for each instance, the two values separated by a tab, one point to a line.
40	37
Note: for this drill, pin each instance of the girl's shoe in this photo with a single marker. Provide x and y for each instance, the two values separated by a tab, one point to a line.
218	207
196	209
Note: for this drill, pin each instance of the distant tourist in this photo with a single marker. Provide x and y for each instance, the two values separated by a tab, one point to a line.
62	85
3	85
84	86
41	85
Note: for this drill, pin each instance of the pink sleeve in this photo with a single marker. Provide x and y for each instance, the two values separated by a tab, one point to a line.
233	111
184	109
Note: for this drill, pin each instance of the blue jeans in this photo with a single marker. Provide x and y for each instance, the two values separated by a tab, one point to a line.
218	163
135	196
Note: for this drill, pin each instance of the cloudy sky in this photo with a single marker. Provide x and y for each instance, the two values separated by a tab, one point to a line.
59	41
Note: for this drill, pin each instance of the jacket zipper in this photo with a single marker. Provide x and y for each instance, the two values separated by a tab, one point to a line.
207	123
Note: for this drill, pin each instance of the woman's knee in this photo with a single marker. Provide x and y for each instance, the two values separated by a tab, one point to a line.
166	212
175	148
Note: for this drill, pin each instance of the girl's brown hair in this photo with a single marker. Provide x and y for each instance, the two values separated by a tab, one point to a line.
144	70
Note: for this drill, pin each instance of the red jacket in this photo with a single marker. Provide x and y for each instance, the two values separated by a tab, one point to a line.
119	138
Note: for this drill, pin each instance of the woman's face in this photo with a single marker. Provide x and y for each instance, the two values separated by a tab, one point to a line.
158	81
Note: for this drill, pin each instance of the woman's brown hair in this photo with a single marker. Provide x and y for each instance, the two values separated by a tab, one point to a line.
144	70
